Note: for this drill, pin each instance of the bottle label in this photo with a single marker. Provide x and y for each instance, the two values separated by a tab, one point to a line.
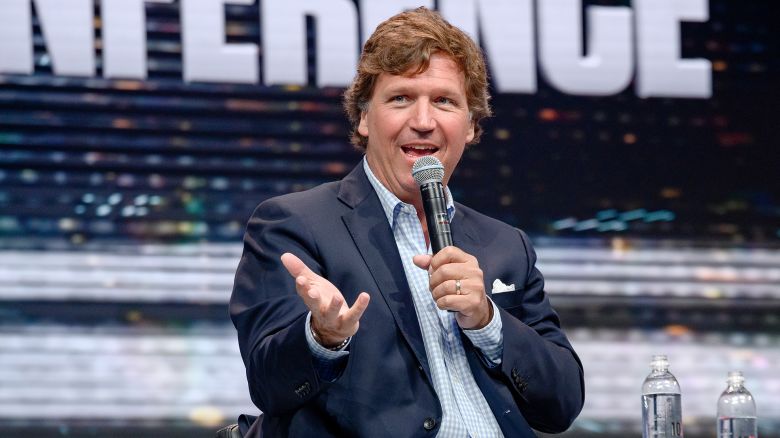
744	427
662	416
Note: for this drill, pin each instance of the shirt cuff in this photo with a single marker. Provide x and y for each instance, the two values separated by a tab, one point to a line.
318	350
490	338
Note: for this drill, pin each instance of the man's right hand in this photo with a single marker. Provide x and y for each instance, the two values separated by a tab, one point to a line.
331	318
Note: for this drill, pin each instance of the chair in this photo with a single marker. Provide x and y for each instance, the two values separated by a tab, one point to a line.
237	430
231	431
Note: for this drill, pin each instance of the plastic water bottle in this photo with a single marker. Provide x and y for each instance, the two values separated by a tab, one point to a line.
661	402
736	410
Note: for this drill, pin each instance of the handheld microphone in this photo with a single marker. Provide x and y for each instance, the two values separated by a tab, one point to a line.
428	172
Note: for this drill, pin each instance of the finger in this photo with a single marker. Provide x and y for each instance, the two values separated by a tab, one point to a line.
452	302
450	254
450	287
354	313
422	261
330	311
440	291
295	266
310	295
450	271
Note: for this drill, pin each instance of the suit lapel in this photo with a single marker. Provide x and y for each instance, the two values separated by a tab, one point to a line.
372	235
465	237
463	234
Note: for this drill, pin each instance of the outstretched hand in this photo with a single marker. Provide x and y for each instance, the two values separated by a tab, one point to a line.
331	318
457	283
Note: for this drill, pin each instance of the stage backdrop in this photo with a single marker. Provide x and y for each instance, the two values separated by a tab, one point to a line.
635	141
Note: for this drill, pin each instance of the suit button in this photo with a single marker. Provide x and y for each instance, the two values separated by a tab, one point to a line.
303	390
429	423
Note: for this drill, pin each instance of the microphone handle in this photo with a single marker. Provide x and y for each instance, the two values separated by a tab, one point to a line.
435	206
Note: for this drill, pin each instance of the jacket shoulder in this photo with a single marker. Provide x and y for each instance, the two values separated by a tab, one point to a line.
317	199
483	221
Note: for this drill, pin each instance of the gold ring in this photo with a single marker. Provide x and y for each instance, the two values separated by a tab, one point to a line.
457	287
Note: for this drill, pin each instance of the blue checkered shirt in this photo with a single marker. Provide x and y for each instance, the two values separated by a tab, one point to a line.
465	411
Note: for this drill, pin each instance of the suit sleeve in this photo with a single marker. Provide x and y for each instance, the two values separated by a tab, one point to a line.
270	317
540	366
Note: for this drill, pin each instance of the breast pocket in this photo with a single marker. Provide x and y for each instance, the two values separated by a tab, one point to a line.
508	300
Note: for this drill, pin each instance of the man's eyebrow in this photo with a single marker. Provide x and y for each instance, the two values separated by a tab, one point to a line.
438	90
397	89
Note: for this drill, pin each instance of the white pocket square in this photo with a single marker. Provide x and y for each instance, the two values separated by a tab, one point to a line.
500	287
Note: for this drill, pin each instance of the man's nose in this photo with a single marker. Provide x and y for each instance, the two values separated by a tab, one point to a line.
423	119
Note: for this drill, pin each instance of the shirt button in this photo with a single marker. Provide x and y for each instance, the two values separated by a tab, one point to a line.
429	423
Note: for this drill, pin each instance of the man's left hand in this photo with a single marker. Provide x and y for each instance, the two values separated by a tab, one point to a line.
456	283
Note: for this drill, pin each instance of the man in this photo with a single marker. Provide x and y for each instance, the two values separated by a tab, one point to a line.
348	327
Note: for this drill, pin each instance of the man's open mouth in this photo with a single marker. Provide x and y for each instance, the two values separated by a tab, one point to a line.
419	151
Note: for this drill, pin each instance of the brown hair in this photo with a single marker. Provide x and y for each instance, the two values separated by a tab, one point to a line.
404	44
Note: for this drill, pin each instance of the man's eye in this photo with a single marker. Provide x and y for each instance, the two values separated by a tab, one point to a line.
399	99
444	101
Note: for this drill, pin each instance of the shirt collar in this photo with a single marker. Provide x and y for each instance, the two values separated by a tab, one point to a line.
394	206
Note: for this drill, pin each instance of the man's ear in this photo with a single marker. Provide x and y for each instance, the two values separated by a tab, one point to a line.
363	125
470	132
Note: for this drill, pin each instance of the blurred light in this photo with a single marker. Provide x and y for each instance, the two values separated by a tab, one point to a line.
569	222
156	181
220	183
502	134
60	178
613	226
548	115
633	214
606	214
91	157
207	416
68	224
9	223
103	210
128	210
661	215
126	180
671	192
29	176
586	225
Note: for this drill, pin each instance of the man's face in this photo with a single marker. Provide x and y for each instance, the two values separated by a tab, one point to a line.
412	116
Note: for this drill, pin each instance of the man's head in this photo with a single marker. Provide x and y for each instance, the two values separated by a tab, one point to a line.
421	89
404	44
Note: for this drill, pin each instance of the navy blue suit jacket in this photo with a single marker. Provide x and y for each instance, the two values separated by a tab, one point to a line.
341	232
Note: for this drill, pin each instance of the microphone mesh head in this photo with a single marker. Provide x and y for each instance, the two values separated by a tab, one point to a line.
427	169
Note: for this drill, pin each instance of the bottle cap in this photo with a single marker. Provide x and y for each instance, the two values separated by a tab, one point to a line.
659	362
735	378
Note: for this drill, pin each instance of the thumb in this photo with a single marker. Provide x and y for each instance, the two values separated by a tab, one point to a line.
422	261
295	266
